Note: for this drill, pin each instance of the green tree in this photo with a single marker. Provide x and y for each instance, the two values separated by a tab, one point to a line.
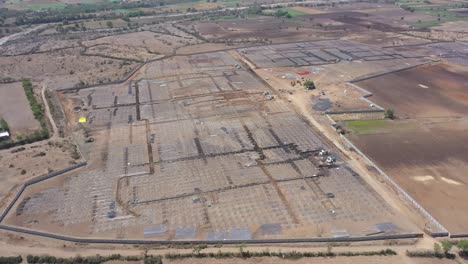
447	246
198	248
309	85
463	246
4	125
437	250
389	113
329	249
109	24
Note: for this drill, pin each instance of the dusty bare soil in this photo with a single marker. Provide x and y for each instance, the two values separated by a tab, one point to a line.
330	80
142	45
35	160
264	27
15	109
64	68
334	260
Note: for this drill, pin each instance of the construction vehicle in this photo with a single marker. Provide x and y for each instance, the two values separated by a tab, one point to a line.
330	160
323	152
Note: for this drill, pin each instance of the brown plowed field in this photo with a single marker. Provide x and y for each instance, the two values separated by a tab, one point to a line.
428	91
15	109
273	29
430	165
426	156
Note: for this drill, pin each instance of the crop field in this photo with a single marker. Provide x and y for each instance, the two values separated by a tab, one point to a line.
15	109
270	28
440	10
422	150
194	150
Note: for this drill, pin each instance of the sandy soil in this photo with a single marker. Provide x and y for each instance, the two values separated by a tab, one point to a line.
152	42
14	244
335	260
330	80
64	68
35	160
204	47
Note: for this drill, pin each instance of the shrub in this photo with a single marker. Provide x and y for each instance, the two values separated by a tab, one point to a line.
153	260
309	85
389	113
447	246
91	260
4	125
421	254
11	260
463	246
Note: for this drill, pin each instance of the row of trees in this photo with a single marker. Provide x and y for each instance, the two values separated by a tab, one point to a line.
442	250
147	259
285	255
11	260
4	125
101	10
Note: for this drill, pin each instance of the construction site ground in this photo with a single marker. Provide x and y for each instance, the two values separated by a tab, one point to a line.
197	150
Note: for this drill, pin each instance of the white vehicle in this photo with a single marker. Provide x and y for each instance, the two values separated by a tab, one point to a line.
330	160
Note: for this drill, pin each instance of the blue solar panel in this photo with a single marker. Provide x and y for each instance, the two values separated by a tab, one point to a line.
185	232
240	234
154	231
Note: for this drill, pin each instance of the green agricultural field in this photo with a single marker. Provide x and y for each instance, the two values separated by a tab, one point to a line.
441	13
292	12
376	126
367	126
45	6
